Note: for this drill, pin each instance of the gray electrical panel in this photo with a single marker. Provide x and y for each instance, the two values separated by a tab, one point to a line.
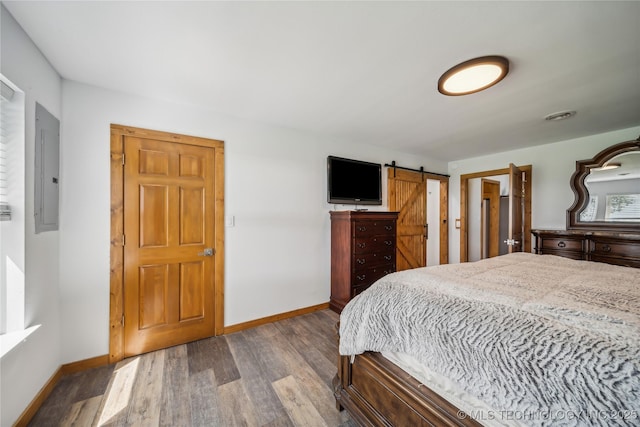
47	170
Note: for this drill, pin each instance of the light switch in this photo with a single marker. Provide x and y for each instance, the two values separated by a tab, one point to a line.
230	220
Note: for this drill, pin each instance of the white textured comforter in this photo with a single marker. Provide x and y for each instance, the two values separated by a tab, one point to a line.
551	340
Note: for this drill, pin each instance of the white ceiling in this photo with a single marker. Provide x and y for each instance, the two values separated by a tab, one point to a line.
365	71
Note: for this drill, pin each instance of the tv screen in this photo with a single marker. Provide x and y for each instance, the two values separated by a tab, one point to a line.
353	181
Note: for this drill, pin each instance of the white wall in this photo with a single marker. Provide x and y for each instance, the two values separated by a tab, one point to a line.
277	254
433	219
27	367
553	165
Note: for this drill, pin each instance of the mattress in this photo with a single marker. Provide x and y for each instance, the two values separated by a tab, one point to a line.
537	339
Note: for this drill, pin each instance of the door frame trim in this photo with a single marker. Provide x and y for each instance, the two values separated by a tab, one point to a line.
116	278
464	207
444	217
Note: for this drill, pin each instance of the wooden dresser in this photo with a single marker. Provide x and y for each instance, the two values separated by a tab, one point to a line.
363	249
619	248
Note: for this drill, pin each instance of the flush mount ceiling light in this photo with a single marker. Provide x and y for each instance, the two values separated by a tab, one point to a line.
473	75
609	166
560	115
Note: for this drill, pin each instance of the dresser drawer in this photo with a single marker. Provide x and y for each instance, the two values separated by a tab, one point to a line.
355	290
617	249
364	261
363	245
561	244
619	252
368	276
372	228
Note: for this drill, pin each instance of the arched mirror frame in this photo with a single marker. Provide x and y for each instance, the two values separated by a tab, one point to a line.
583	168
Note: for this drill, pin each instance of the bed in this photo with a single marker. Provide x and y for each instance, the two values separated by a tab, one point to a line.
519	339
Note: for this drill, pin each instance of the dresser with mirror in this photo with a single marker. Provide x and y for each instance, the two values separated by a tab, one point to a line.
603	224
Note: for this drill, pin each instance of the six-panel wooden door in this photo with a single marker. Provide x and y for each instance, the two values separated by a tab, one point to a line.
169	250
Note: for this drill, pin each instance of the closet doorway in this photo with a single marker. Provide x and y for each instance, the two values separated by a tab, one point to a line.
421	200
492	218
495	212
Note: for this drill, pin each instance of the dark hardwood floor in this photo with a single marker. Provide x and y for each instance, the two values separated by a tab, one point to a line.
273	375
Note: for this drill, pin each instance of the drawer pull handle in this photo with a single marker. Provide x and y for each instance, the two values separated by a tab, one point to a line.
561	244
388	227
606	248
387	257
362	228
364	276
362	245
361	261
388	242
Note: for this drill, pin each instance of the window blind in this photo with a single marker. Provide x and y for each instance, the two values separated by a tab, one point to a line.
7	126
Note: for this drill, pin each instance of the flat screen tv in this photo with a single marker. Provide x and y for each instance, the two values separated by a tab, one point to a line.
353	181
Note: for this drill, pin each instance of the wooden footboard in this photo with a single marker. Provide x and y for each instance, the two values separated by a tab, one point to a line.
376	392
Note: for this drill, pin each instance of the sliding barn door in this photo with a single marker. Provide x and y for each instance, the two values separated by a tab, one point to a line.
169	256
407	193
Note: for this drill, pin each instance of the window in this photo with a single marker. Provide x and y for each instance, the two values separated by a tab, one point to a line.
589	213
12	226
6	127
623	207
